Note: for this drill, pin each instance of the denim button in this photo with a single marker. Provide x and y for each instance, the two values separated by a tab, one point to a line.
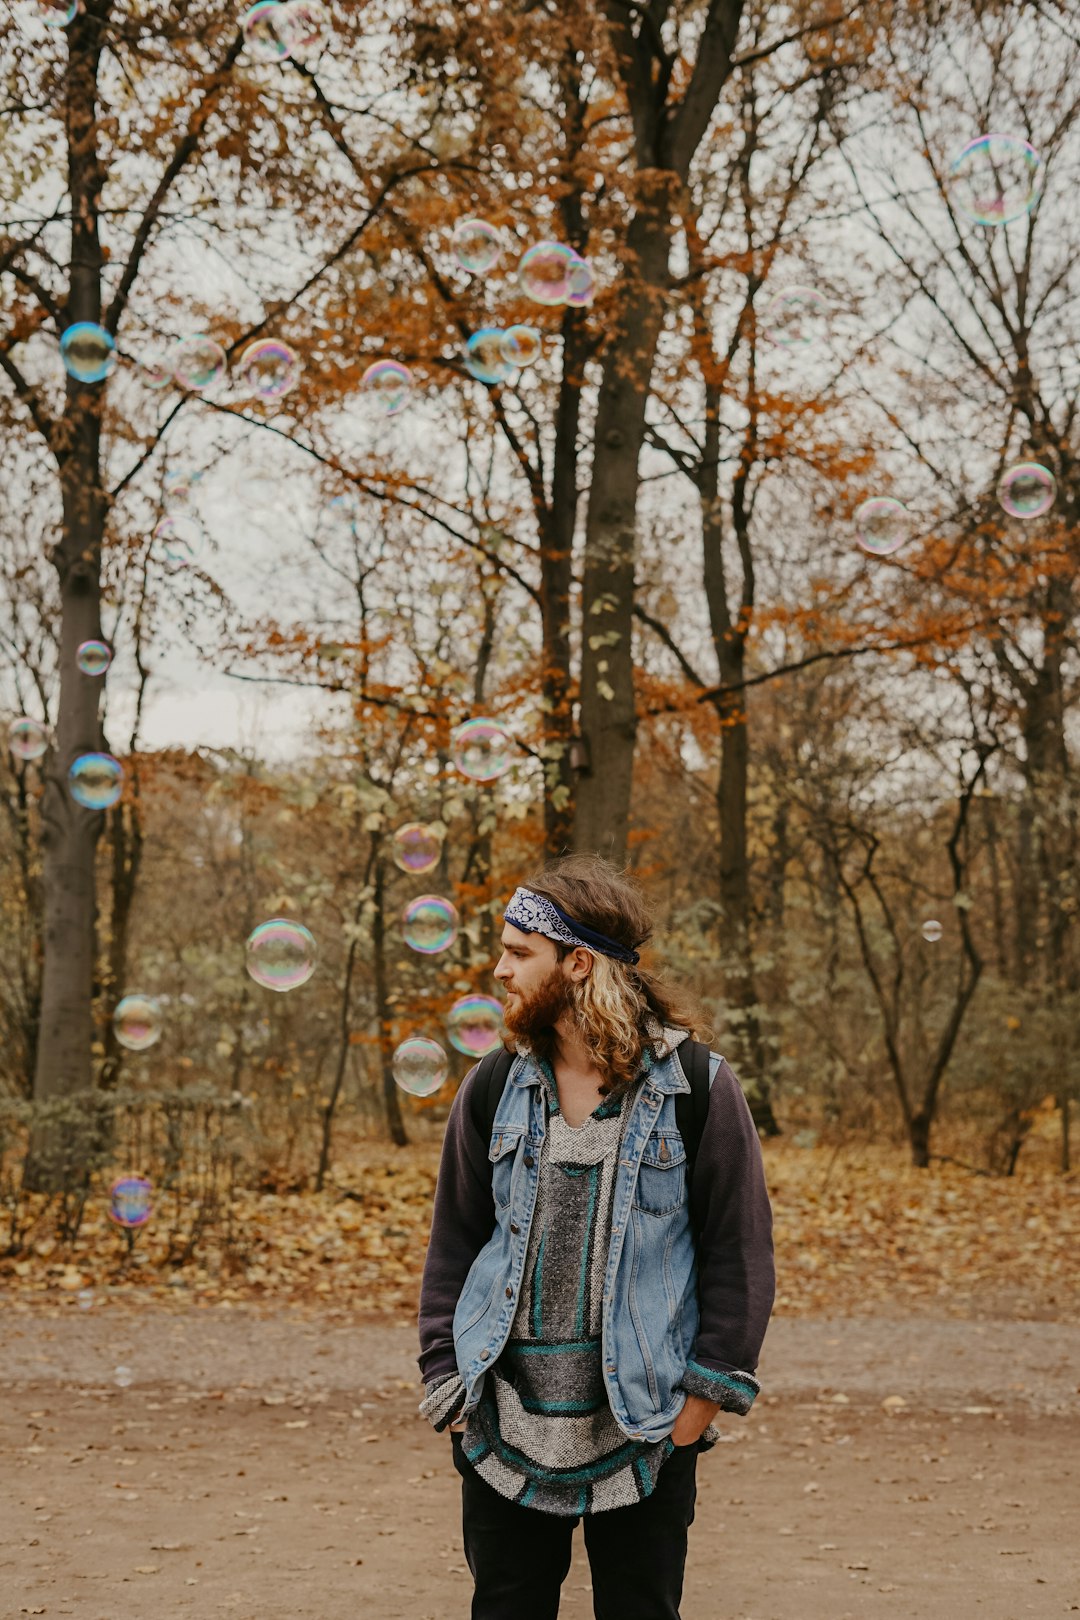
514	1228
484	1354
509	1293
528	1161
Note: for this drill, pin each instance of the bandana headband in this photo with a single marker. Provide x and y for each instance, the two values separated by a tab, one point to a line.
536	914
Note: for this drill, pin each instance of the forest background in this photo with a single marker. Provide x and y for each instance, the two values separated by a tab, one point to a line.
638	555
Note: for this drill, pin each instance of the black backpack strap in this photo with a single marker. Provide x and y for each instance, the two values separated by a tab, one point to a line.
488	1084
691	1108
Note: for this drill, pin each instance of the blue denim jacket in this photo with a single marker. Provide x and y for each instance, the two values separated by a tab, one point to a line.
678	1318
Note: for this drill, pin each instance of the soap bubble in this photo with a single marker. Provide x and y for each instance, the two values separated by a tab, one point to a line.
481	749
1027	490
130	1201
419	1066
137	1022
389	384
995	179
429	924
179	487
199	362
93	657
485	358
883	525
122	1377
155	369
521	345
475	1024
27	739
269	368
476	245
263	27
303	27
88	352
96	781
544	272
180	539
932	930
85	1299
795	317
416	848
580	283
56	13
280	954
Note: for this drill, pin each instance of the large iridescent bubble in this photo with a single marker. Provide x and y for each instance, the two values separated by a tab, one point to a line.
544	272
485	357
476	245
482	750
389	384
882	525
1027	490
419	1066
521	345
416	847
96	781
280	954
475	1025
269	368
28	739
130	1205
137	1022
995	179
198	362
429	924
93	657
88	352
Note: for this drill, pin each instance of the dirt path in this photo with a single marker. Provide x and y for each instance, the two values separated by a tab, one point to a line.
274	1467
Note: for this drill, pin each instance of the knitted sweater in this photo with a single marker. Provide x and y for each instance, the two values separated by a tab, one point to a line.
543	1434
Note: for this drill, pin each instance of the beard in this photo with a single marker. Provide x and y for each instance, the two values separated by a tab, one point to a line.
532	1019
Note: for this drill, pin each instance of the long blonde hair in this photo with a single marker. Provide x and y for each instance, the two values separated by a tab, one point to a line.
617	1007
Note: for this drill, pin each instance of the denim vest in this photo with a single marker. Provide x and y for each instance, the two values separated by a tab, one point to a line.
650	1307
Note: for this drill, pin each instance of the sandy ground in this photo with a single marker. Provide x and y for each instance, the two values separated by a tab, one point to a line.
275	1468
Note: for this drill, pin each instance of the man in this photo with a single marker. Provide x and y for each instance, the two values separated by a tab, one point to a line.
575	1336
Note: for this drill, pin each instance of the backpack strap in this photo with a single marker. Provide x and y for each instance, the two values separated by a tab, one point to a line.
696	1062
489	1083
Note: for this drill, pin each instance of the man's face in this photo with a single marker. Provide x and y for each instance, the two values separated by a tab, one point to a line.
537	984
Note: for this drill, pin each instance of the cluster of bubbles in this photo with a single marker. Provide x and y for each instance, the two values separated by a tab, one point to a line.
549	273
474	1025
492	355
275	30
267	368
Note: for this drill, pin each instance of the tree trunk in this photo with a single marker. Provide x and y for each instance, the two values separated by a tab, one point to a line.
382	1008
608	719
70	833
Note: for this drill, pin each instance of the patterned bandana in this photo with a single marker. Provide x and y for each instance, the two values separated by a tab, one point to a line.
535	914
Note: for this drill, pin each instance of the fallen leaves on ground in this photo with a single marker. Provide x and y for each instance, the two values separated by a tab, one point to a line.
854	1229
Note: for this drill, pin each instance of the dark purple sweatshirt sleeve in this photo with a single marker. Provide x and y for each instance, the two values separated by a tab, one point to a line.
736	1273
462	1222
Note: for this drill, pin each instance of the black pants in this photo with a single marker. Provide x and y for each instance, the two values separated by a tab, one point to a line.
519	1557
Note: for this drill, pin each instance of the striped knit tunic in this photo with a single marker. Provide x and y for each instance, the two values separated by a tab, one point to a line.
543	1434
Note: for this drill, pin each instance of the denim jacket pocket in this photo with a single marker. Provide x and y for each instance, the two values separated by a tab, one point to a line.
661	1180
503	1156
